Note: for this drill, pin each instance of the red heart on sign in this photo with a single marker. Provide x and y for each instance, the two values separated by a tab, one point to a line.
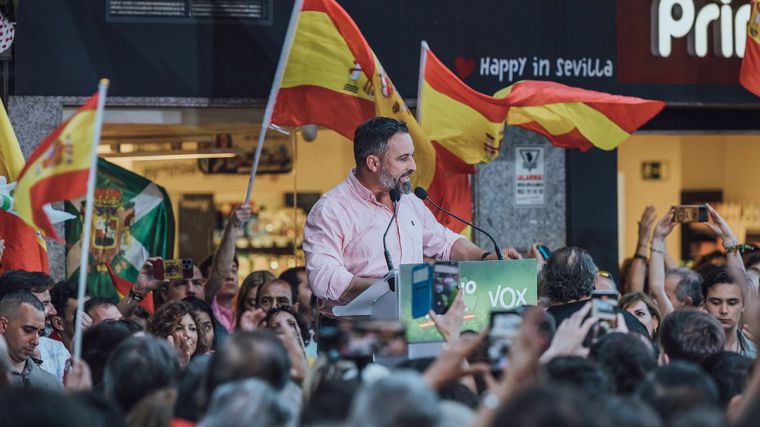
464	67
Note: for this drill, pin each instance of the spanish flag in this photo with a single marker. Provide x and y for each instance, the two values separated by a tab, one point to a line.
58	169
749	76
466	128
123	286
25	249
333	78
576	118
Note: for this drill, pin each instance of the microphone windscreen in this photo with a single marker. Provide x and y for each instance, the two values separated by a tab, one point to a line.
395	194
421	193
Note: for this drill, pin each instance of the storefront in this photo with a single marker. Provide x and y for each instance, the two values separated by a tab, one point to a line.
201	81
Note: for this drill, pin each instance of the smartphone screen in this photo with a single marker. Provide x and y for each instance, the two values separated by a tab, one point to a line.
690	213
604	306
445	285
421	290
505	327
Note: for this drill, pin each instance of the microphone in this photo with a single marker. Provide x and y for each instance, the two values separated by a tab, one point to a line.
422	194
395	197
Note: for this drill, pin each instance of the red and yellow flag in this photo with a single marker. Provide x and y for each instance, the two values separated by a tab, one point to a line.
465	122
576	118
749	76
58	169
123	286
333	79
24	248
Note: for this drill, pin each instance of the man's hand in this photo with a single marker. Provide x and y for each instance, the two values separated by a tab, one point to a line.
451	364
720	227
293	343
251	320
146	280
664	227
240	215
646	224
79	378
450	323
568	340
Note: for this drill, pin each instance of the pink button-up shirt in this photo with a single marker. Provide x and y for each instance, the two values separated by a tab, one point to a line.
343	237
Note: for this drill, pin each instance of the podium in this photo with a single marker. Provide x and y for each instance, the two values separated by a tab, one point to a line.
488	286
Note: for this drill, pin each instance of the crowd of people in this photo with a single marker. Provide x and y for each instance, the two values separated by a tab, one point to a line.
218	354
678	349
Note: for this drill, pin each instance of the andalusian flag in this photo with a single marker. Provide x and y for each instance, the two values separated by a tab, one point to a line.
58	169
333	78
576	118
749	76
132	220
24	248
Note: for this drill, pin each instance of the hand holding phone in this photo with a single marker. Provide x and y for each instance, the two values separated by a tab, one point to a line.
173	269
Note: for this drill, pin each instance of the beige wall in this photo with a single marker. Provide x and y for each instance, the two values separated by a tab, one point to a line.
639	193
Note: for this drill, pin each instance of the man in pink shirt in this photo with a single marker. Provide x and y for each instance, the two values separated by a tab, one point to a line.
343	235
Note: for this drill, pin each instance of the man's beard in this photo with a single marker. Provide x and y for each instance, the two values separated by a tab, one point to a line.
387	181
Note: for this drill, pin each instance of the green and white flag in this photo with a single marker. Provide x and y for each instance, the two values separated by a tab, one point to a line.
132	220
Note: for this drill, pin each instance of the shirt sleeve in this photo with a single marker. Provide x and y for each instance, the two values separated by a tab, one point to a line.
323	238
437	240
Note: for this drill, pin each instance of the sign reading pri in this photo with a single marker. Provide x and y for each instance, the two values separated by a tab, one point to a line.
530	176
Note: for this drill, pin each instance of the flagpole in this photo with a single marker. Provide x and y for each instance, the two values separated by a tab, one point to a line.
421	79
88	208
287	44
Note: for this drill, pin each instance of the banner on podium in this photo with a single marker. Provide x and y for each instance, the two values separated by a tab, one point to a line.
488	286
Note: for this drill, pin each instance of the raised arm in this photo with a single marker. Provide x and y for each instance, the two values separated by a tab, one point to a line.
657	262
730	243
638	271
225	253
145	283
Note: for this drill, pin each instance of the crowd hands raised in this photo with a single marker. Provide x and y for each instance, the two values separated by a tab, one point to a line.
213	353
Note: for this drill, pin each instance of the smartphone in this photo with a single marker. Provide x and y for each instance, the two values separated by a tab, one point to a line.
422	276
690	213
376	338
544	251
445	285
604	306
173	269
504	329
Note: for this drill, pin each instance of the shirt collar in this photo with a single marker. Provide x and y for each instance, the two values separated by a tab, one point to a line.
358	188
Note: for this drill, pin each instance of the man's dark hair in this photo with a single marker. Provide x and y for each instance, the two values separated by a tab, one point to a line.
689	285
579	372
752	258
568	275
330	402
291	276
138	366
678	388
626	358
95	302
24	407
691	335
293	291
99	341
191	389
20	280
60	295
371	137
549	405
258	354
629	412
305	334
723	274
11	301
730	371
205	265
